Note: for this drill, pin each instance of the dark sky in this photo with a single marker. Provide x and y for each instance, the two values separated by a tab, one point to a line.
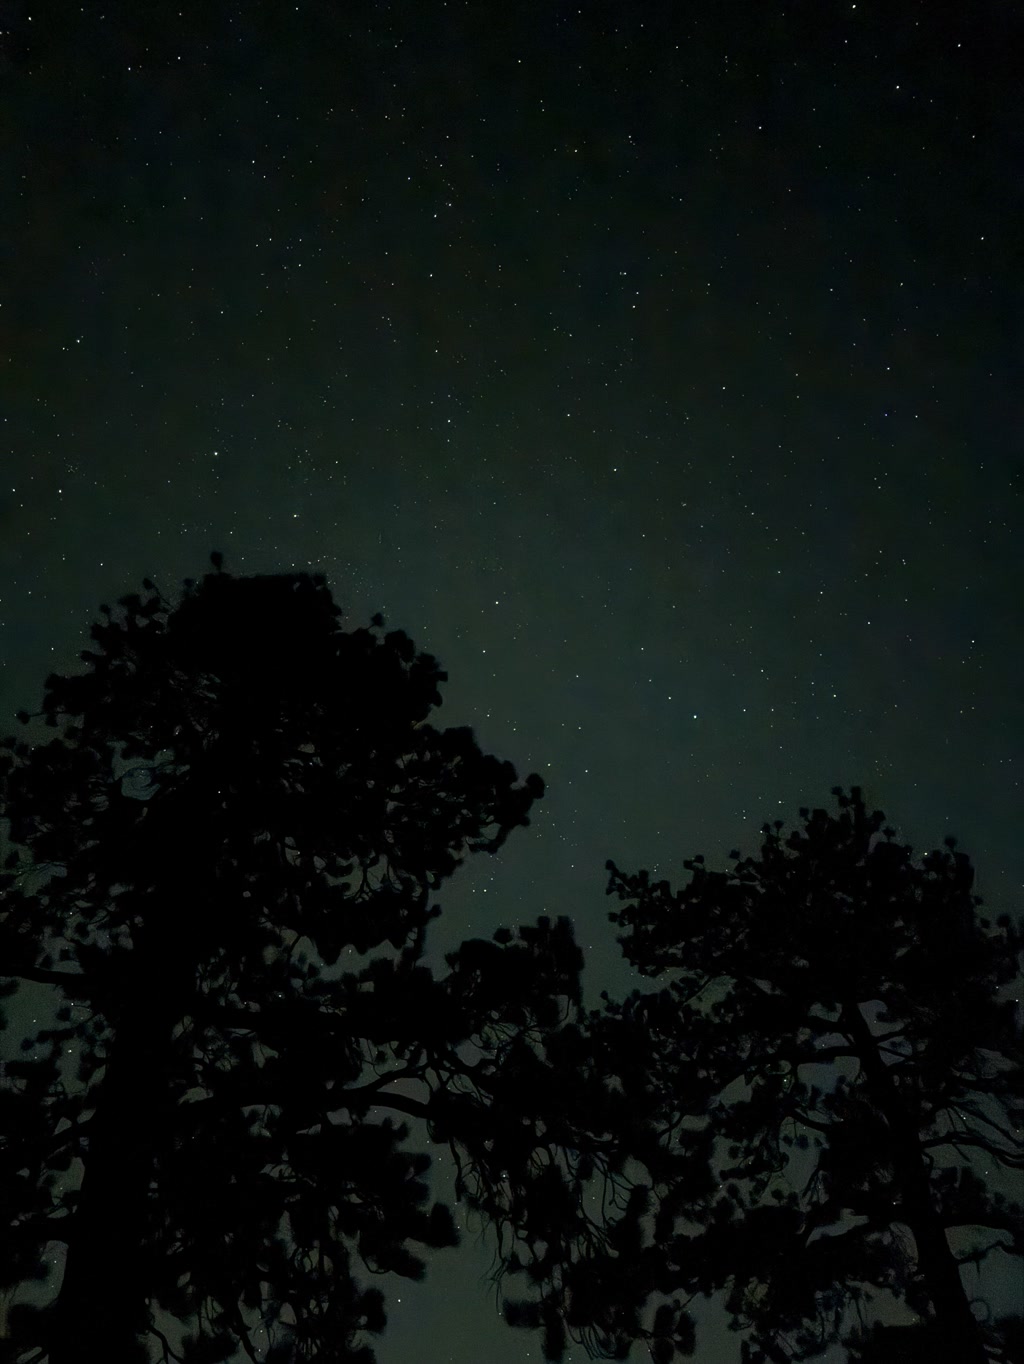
658	370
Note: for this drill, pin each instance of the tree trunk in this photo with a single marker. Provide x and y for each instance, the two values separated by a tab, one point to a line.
935	1259
101	1311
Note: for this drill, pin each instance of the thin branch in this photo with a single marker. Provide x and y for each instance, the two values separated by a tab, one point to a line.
243	1330
74	983
168	1352
812	1122
990	1122
416	1108
373	1087
45	1229
56	1142
1008	1158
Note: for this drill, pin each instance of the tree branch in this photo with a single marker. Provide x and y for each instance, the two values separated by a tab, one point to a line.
73	983
331	1100
44	1229
416	1108
990	1122
811	1122
56	1141
374	1086
954	1138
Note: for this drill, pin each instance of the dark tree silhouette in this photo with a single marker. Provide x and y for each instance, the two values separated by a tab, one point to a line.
556	1146
828	1058
225	863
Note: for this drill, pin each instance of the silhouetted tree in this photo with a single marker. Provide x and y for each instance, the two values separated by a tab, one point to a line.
226	863
559	1140
832	1045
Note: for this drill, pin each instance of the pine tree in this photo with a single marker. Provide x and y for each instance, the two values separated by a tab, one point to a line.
225	864
830	1054
840	1005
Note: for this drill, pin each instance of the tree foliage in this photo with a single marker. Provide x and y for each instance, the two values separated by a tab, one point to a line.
826	1065
224	863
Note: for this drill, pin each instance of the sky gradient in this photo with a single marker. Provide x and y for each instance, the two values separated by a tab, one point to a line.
659	373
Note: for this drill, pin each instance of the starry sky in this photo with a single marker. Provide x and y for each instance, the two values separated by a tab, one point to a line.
657	369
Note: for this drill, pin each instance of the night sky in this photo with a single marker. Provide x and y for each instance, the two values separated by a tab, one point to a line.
659	371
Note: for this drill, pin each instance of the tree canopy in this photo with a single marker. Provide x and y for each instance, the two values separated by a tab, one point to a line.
225	863
828	1060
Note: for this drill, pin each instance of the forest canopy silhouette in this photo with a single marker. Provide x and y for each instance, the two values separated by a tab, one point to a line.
224	865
